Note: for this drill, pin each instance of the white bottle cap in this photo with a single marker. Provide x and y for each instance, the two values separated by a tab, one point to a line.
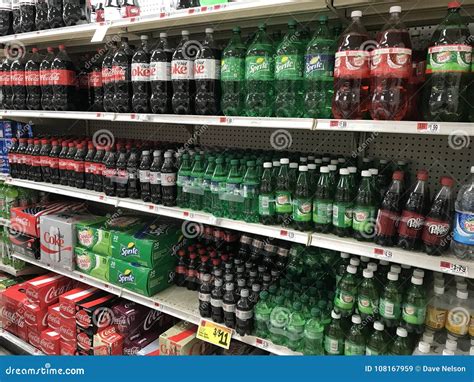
332	167
448	352
439	290
276	163
163	34
364	259
324	170
284	161
462	294
373	171
267	165
318	161
352	169
341	160
303	168
326	159
424	347
209	30
395	9
293	165
355	261
143	37
351	269
372	267
416	280
383	262
311	166
392	276
383	161
472	169
396	269
402	332
428	337
451	345
335	315
334	162
462	285
343	171
345	255
367	273
356	319
311	157
366	174
366	160
419	273
185	33
379	326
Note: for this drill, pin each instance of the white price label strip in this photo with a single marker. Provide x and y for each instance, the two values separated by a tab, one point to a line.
454	269
100	32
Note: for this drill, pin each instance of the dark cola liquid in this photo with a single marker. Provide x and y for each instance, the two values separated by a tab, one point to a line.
55	13
160	79
27	15
141	79
45	81
32	82
41	20
17	78
16	18
5	20
6	88
64	82
72	12
121	71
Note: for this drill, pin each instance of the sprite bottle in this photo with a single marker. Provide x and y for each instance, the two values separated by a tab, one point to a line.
233	191
295	327
184	173
368	296
334	336
302	202
195	191
266	197
377	342
233	75
278	320
313	336
323	203
346	292
250	194
283	205
289	75
259	75
342	207
355	341
363	221
401	345
390	303
414	306
262	312
206	184
217	187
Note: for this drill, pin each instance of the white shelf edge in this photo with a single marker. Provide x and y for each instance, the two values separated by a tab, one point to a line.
19	343
19	272
162	301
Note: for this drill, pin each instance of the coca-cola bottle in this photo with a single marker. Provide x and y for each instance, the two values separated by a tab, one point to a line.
155	177
96	92
121	180
5	17
55	13
13	158
32	81
99	168
207	70
45	173
144	176
34	172
17	75
390	70
79	178
129	8
71	165
435	235
99	13
54	161
413	214
16	18
110	172
7	94
45	80
389	212
83	84
160	77
182	75
168	181
133	186
73	11
63	81
21	158
62	163
27	15
41	20
141	78
121	71
89	167
108	78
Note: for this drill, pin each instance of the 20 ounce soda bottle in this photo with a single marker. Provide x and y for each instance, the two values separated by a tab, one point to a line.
302	203
364	214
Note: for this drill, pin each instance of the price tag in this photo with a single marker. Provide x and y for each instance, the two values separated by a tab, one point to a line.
338	123
383	253
428	127
214	333
454	269
157	304
100	32
287	234
188	214
261	343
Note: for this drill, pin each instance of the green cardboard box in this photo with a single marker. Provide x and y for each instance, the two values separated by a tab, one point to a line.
149	245
92	264
139	279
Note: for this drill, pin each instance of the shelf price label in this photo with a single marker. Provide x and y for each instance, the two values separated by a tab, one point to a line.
287	234
428	127
214	334
261	343
382	253
454	269
338	124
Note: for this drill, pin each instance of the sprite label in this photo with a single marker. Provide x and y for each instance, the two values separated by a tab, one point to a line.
302	210
344	300
283	202
288	67
449	58
258	68
319	66
389	309
266	205
413	314
322	212
342	215
232	69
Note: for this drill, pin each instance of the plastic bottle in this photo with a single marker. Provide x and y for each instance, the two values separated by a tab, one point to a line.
259	75
27	15
205	296
295	327
458	319
155	177
63	81
16	17
262	312
121	179
266	197
351	72
17	78
217	187
401	345
414	306
445	92
6	84
182	75
233	75
168	181
95	85
334	336
346	292
463	238
342	206
390	303
377	342
160	77
364	214
73	12
194	190
122	76
32	81
437	310
283	197
140	77
313	335
423	348
302	203
109	172
413	214
250	185
89	166
144	176
206	184
355	341
228	305
437	224
233	202
108	83
367	296
323	203
319	72
390	70
6	18
243	314
289	75
183	182
98	169
55	13
82	91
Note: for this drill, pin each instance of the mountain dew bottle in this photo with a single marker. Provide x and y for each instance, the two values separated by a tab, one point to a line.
259	75
182	182
233	75
250	194
233	190
206	184
289	75
196	178
217	186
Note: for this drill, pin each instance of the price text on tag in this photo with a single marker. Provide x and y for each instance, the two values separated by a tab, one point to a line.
383	253
455	269
214	333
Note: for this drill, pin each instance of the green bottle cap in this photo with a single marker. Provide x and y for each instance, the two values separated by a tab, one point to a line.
262	26
236	30
292	23
220	160
297	306
250	163
323	19
280	300
234	162
263	295
197	157
315	312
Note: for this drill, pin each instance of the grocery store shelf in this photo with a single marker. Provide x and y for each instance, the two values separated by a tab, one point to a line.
446	264
175	301
17	343
29	270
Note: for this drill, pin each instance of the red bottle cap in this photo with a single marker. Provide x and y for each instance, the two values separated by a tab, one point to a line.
192	256
44	141
216	262
204	259
54	143
64	143
397	175
71	144
181	253
62	47
454	4
90	145
34	50
447	181
50	49
30	141
422	175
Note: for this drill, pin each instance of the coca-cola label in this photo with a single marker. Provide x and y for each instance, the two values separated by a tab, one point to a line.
89	168
54	162
83	319
207	69
140	72
182	70
99	169
84	341
106	75
394	62
5	79
44	161
109	172
32	78
45	77
352	64
411	224
17	78
63	77
160	71
119	73
434	231
95	79
66	332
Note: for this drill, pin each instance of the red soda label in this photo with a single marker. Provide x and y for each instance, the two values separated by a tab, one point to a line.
17	78
106	75
63	77
70	164
95	80
391	62
352	64
45	77
88	168
6	79
434	231
181	270
32	78
54	162
118	73
84	81
44	161
62	164
99	169
109	172
79	166
411	224
387	223
141	72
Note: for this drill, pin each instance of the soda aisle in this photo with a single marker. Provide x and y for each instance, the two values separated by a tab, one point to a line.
237	178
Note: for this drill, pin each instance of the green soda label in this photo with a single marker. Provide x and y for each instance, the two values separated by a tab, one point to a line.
342	215
389	309
333	345
289	67
319	66
350	348
258	68
413	314
232	69
266	205
344	300
366	305
302	210
322	212
449	58
249	191
363	219
369	351
283	202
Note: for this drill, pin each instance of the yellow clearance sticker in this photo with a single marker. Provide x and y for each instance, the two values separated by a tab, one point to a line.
214	333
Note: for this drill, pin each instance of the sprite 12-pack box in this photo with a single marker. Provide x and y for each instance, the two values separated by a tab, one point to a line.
92	264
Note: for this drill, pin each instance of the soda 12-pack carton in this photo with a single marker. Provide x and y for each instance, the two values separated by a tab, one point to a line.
92	264
181	340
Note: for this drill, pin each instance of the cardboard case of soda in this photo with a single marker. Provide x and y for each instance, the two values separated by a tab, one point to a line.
9	130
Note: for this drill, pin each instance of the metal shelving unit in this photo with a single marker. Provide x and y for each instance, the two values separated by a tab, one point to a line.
17	345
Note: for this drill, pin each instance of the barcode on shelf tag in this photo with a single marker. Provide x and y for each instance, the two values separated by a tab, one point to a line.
428	127
338	123
287	234
455	269
261	343
382	253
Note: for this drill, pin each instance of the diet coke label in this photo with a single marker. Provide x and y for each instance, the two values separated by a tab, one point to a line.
160	71
140	72
107	75
207	69
182	70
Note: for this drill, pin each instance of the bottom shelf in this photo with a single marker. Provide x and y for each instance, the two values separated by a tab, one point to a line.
17	345
175	301
31	270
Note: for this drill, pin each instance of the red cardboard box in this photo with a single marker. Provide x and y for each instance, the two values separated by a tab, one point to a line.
45	290
54	317
68	301
14	299
96	314
85	342
50	342
34	338
67	329
108	342
67	348
35	318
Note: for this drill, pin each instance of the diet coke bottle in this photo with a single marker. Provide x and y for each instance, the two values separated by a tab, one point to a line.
121	72
182	75
32	81
41	20
160	77
55	13
141	78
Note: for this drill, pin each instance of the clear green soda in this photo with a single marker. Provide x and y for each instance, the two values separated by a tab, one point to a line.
250	194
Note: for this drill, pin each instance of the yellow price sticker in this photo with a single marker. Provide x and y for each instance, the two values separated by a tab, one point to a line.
214	333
